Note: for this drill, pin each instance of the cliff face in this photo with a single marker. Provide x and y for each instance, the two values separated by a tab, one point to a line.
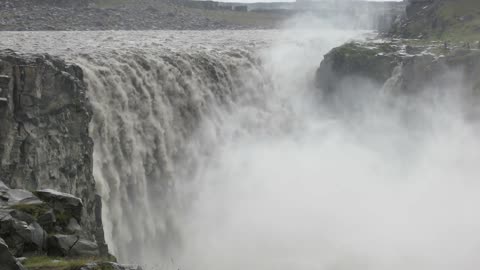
44	140
409	65
399	68
455	20
355	60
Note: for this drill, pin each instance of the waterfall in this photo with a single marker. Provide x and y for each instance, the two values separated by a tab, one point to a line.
214	150
147	107
162	115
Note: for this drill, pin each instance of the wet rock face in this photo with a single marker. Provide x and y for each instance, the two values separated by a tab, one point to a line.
44	140
71	245
62	202
396	69
356	61
45	222
24	235
8	262
408	69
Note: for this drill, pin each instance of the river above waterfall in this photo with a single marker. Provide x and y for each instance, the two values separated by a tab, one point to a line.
88	42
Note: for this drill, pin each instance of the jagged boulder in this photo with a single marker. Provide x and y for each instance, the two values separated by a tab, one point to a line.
73	227
47	220
71	245
3	186
63	203
25	226
39	236
16	196
7	260
22	216
19	235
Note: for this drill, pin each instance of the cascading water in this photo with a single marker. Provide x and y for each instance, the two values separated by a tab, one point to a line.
147	107
161	115
215	152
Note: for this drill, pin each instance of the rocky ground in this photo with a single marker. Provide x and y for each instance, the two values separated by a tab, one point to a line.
126	15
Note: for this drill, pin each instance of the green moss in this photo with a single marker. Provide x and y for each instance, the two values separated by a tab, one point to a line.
44	262
34	210
375	61
55	263
366	50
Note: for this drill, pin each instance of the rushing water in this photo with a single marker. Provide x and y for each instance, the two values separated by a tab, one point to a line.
214	151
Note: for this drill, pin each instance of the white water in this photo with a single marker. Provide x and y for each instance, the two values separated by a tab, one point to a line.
211	153
157	134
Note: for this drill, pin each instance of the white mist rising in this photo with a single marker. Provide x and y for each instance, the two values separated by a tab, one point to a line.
389	184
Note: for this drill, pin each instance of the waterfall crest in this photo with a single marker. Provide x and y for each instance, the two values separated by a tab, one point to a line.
160	113
146	109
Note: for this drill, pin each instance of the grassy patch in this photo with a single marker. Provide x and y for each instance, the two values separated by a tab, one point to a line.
365	50
44	262
57	263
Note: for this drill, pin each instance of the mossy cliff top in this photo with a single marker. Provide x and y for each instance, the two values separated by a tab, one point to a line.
417	63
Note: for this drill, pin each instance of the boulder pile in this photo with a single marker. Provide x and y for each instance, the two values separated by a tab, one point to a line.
43	223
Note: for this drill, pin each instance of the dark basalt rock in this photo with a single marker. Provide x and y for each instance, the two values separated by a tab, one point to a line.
17	196
20	236
39	236
63	203
22	216
418	65
25	227
71	245
47	220
44	139
360	71
356	60
7	260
